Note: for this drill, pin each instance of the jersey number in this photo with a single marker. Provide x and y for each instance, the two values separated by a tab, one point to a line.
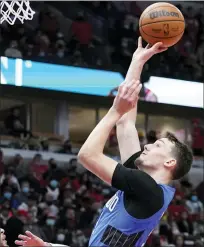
112	202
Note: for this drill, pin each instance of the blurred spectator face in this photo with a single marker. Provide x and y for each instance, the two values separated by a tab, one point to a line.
7	193
25	187
179	241
5	212
178	200
184	215
70	214
50	221
37	158
194	198
54	184
52	164
18	159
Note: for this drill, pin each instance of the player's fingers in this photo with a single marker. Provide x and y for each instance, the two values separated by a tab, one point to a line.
30	235
156	46
134	95
148	46
140	42
133	91
23	237
20	242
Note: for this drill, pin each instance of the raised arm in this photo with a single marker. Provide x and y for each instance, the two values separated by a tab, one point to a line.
126	131
91	154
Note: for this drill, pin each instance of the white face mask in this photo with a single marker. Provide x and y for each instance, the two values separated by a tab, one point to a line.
60	237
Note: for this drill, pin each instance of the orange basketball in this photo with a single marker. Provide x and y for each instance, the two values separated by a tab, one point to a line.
162	22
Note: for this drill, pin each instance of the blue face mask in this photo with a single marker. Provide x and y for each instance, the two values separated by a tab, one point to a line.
50	222
8	195
54	183
194	198
25	189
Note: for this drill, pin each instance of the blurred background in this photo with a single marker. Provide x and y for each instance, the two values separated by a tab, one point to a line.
59	75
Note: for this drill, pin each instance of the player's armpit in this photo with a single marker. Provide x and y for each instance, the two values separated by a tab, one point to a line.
135	182
101	165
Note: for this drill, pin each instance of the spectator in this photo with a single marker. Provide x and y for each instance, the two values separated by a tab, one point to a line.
184	224
52	189
8	178
20	168
38	168
82	30
67	147
13	50
49	229
179	241
14	125
22	196
53	172
194	206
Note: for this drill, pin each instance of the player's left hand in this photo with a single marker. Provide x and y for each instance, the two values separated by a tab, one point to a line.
30	240
127	96
144	54
3	241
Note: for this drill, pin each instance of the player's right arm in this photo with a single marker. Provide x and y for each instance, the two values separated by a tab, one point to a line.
127	135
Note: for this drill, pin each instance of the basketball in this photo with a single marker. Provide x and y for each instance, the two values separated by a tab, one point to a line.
162	22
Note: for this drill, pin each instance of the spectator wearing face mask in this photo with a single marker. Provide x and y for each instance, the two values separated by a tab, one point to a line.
22	196
53	189
194	206
49	229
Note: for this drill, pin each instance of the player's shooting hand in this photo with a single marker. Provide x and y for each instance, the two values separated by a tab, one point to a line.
144	54
3	241
127	96
31	240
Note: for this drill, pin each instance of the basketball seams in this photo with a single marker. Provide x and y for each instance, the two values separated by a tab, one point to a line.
160	21
142	17
160	37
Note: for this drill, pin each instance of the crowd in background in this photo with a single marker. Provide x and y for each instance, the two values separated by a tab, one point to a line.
62	205
81	44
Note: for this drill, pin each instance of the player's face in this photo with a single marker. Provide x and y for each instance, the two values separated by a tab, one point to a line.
155	155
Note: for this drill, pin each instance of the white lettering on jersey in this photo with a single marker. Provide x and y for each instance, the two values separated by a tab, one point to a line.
112	203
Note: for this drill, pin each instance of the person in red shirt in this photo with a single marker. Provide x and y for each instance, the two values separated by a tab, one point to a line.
82	29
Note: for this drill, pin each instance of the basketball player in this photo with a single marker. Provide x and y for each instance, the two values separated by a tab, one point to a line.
143	181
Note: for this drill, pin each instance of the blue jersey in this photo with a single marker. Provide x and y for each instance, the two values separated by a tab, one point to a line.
117	228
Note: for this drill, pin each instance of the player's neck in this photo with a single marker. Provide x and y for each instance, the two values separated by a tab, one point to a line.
159	176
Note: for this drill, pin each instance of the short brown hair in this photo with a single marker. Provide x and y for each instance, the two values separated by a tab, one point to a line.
183	155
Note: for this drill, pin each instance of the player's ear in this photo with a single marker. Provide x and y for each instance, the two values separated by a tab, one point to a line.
170	163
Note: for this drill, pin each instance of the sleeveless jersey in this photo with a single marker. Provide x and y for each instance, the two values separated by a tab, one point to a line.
117	228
